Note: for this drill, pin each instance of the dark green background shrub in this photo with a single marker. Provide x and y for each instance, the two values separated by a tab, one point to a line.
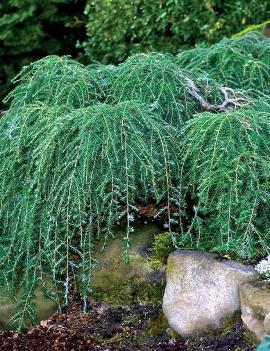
31	29
118	28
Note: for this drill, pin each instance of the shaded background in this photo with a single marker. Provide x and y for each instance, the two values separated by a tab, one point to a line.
109	30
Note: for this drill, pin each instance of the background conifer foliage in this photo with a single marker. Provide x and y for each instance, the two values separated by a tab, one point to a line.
164	25
109	31
32	29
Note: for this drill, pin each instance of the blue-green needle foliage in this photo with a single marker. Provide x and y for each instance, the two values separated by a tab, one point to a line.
56	80
156	80
226	170
66	177
241	63
80	146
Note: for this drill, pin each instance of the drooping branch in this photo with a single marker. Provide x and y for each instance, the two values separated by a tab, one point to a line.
227	105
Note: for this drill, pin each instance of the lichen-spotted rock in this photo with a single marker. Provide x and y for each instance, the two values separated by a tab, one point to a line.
255	307
202	292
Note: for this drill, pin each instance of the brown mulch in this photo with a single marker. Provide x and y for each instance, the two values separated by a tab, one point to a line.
107	328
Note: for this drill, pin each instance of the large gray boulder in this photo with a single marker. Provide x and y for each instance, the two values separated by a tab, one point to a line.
202	291
255	307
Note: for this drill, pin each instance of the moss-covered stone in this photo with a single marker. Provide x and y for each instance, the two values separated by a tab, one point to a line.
255	307
161	248
116	282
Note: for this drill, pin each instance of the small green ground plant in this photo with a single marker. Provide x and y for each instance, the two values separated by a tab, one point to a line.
81	146
162	246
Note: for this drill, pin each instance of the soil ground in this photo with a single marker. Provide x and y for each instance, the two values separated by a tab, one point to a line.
107	328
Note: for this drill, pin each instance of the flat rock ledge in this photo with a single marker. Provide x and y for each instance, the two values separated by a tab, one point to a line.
202	291
255	307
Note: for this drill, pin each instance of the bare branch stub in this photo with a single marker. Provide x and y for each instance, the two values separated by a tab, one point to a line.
231	103
227	105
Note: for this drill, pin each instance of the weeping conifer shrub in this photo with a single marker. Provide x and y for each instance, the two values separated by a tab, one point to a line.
156	80
226	172
66	177
80	146
241	63
56	80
